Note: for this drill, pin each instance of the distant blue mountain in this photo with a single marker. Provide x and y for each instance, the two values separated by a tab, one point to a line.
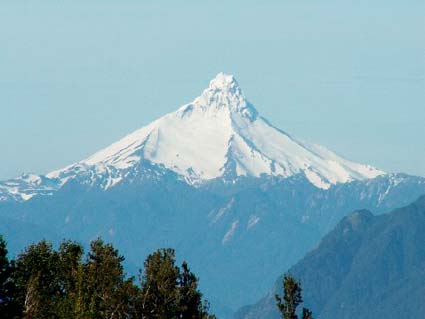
368	267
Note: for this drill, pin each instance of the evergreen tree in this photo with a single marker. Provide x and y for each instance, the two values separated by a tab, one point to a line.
50	284
57	284
159	296
8	308
190	298
292	298
106	292
169	292
71	280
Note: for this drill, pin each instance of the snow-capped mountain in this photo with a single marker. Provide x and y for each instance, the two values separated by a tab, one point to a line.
214	180
219	135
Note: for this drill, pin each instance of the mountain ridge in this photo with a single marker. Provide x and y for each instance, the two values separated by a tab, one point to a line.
368	267
253	227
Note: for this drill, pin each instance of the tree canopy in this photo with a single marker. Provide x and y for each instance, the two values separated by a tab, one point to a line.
291	299
45	283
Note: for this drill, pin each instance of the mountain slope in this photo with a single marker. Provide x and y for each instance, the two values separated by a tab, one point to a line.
367	267
219	135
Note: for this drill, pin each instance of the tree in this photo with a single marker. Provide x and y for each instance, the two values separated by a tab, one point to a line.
70	274
106	292
8	308
168	292
189	297
37	282
159	296
292	298
58	284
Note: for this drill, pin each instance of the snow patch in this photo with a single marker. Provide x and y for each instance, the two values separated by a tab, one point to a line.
223	210
26	196
228	236
252	221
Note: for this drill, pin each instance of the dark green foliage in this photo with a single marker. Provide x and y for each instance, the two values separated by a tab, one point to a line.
292	298
70	273
159	295
37	281
8	307
106	291
57	284
307	314
169	292
190	298
45	283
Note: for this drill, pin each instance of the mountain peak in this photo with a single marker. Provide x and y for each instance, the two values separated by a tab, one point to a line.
224	93
224	82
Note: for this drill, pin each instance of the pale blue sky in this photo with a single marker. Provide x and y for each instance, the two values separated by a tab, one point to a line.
77	75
